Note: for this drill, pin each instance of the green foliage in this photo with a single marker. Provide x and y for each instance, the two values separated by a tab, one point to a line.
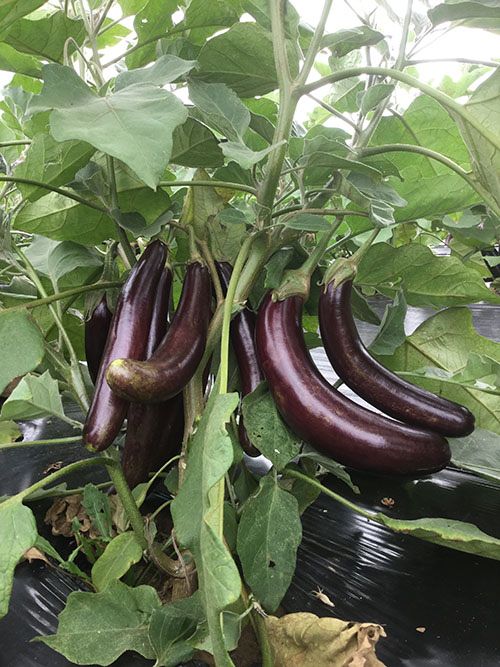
118	557
22	345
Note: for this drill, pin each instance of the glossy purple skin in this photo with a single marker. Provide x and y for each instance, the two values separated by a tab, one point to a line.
96	334
326	419
242	340
377	385
177	357
128	336
153	430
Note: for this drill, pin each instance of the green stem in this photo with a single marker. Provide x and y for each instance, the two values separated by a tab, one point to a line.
319	211
36	443
265	647
439	96
315	44
102	18
77	465
127	499
52	188
228	307
345	268
209	184
434	155
208	257
404	36
37	303
465	61
122	234
343	501
333	111
20	142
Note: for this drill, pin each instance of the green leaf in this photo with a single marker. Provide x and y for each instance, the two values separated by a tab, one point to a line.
22	346
220	108
392	328
118	557
226	236
197	507
243	155
426	280
97	506
473	225
9	432
308	222
484	105
266	430
344	41
20	63
164	70
96	628
268	538
134	125
243	59
194	145
446	341
68	257
276	266
12	10
17	534
34	397
219	13
466	12
333	467
478	452
259	9
430	188
152	20
361	309
45	37
51	162
456	535
201	204
375	95
172	627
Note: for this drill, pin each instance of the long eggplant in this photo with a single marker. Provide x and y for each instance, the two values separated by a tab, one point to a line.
326	419
177	357
154	432
242	340
96	333
128	336
376	384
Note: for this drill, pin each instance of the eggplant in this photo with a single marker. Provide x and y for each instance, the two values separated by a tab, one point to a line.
377	385
242	340
128	336
154	432
325	418
177	357
96	333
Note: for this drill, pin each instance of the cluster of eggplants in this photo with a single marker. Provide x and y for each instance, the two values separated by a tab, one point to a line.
332	423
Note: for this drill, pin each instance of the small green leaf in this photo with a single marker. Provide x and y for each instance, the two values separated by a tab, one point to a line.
96	628
266	430
9	432
244	156
22	346
194	145
17	534
118	557
343	42
164	70
220	108
13	61
375	95
392	328
269	534
308	222
96	504
466	12
333	467
34	397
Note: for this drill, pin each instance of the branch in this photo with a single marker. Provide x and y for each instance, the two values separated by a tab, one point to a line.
209	184
315	44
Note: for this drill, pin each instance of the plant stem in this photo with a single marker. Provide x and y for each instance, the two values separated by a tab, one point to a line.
209	184
319	211
345	268
439	96
265	647
122	234
37	303
20	142
52	188
36	443
404	36
127	499
333	111
465	61
102	17
208	257
434	155
228	307
315	44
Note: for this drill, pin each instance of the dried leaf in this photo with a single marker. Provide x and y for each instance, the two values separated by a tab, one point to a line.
306	640
34	554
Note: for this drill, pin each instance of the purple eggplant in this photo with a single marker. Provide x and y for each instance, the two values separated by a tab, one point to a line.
96	333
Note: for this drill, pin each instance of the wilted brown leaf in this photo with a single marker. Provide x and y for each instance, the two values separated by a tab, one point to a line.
34	554
306	640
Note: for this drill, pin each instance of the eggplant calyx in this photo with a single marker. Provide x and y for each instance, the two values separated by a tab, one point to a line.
296	282
340	271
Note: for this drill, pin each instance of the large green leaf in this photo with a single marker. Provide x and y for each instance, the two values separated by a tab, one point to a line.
12	10
430	188
20	63
134	124
446	341
197	508
484	105
269	534
426	280
96	628
243	59
478	452
51	162
45	37
17	534
22	346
